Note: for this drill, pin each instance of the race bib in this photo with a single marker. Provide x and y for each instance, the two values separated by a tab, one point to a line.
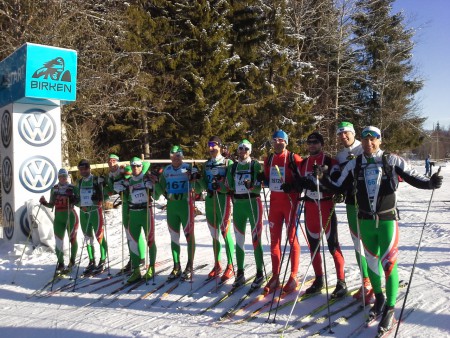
138	196
86	197
275	179
240	178
313	194
372	175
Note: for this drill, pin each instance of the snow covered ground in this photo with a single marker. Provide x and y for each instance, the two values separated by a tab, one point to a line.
82	314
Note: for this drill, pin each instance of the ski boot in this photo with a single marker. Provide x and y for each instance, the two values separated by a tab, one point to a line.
291	284
217	269
176	272
369	296
240	279
340	290
187	273
387	319
150	273
90	267
378	307
316	286
229	272
259	279
126	268
135	276
272	285
59	269
69	267
100	267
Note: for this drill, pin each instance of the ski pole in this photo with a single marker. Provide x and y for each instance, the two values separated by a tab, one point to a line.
154	219
266	209
254	222
285	247
415	259
105	227
358	229
81	253
285	272
147	220
322	231
224	234
323	251
25	246
216	233
122	241
68	230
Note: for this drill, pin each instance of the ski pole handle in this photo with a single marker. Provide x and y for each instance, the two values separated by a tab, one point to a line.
279	172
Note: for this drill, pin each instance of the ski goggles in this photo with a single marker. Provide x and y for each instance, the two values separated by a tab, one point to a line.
177	154
370	133
213	144
243	148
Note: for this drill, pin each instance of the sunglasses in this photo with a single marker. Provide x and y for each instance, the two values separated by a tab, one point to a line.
63	176
136	165
312	142
244	148
212	144
371	133
176	154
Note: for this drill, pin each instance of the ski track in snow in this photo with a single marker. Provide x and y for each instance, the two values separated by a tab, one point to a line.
68	314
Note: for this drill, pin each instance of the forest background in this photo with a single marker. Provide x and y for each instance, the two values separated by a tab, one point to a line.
156	73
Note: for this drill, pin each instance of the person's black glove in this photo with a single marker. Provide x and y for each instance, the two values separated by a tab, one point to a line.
101	180
215	185
195	174
319	170
260	177
286	187
156	171
248	184
338	198
435	181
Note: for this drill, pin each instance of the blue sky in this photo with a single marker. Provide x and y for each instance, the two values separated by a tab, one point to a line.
431	20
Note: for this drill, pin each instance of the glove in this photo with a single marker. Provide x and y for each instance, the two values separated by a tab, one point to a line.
286	187
248	184
195	175
435	181
319	170
260	177
149	185
42	200
215	185
338	198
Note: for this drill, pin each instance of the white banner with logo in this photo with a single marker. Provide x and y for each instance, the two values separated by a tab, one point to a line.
31	157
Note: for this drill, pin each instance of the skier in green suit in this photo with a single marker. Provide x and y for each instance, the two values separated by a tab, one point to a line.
242	180
217	205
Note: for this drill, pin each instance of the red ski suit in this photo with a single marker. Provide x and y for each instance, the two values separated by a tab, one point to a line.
283	208
329	220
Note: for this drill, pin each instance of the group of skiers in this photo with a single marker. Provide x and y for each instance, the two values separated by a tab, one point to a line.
362	175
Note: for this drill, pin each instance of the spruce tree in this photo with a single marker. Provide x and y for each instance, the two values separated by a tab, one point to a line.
386	91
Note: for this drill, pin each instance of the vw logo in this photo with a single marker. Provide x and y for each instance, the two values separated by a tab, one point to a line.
6	128
8	221
37	127
7	173
37	174
24	223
